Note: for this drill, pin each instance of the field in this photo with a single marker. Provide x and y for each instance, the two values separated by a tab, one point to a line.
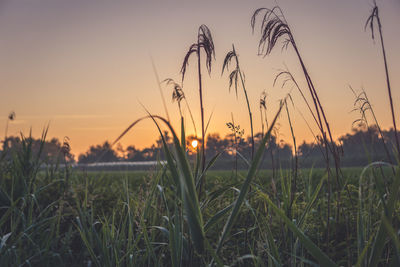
185	213
71	217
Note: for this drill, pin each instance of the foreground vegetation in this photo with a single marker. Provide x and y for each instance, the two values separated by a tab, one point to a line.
64	217
183	214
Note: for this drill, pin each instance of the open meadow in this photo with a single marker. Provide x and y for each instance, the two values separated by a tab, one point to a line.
130	218
209	201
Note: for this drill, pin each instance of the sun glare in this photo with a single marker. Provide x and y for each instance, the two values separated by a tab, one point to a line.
194	143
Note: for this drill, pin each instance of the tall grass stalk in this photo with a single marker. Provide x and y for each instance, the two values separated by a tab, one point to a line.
370	21
263	116
159	87
362	104
178	95
205	42
296	159
274	27
233	80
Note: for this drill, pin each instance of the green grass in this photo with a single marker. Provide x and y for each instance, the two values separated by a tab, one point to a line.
130	218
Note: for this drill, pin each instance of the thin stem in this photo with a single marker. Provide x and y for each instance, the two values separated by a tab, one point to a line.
388	84
191	117
247	101
318	106
180	110
159	87
295	158
365	101
236	145
262	123
203	158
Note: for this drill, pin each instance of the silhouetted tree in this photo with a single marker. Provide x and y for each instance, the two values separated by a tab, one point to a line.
52	153
102	152
133	154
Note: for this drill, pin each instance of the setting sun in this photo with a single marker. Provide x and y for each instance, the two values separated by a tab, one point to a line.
194	143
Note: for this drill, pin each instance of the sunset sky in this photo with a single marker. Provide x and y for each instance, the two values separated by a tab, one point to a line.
84	66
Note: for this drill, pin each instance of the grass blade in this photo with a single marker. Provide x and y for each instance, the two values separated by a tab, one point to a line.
315	251
245	187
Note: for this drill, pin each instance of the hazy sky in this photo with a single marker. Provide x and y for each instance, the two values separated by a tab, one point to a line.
84	65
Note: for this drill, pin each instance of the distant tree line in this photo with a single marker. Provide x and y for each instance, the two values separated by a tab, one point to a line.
357	148
52	152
